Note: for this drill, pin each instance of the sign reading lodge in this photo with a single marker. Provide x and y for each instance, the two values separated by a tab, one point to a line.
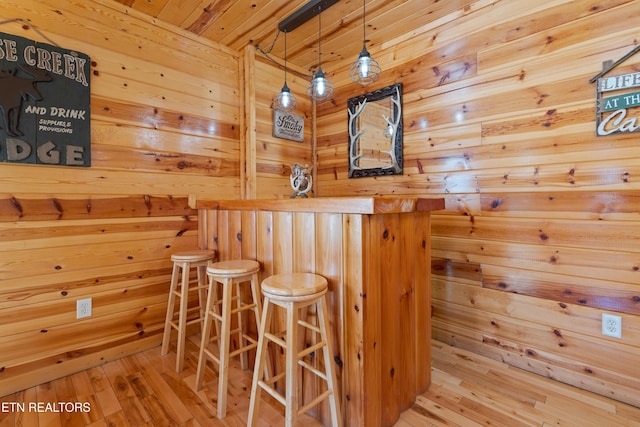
44	103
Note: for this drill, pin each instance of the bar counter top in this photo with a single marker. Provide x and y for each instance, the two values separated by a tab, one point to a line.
345	205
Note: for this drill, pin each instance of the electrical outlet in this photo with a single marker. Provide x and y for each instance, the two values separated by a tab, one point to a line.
83	308
611	325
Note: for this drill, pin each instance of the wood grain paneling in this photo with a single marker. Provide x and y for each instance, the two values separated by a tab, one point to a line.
271	156
55	251
165	123
540	233
166	105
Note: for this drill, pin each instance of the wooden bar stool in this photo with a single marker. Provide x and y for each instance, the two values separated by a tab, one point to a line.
294	292
184	261
219	310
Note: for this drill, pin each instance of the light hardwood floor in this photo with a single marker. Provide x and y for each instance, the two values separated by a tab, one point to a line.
467	390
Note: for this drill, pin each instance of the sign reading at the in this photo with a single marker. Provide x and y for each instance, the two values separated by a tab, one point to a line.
617	104
288	126
44	101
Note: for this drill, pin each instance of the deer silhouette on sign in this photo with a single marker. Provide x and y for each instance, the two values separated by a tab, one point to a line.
15	89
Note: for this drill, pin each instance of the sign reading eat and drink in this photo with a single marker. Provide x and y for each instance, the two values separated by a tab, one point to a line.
44	101
617	103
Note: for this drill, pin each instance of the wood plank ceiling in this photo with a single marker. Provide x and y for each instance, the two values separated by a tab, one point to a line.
238	23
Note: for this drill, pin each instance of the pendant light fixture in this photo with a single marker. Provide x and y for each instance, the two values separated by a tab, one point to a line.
320	89
285	100
365	70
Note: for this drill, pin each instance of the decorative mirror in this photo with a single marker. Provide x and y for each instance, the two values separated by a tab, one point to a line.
375	133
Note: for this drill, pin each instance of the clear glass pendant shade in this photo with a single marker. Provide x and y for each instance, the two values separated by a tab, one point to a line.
365	70
285	100
320	89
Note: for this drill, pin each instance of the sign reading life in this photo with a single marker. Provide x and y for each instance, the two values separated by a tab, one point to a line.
613	111
45	104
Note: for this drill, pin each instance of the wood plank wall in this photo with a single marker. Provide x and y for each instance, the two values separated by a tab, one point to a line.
165	123
541	231
269	158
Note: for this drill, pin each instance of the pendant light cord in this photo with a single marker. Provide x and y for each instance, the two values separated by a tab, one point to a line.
267	54
285	57
364	21
319	37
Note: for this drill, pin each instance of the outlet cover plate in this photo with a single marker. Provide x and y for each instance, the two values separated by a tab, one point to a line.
611	325
83	308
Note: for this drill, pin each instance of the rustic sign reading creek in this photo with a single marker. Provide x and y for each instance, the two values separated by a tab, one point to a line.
44	101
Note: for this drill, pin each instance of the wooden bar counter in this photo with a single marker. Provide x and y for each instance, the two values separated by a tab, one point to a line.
375	253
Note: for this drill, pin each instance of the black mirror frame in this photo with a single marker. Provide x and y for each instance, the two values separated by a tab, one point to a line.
353	105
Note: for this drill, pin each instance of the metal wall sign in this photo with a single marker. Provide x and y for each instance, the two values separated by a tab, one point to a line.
617	99
287	125
617	104
44	103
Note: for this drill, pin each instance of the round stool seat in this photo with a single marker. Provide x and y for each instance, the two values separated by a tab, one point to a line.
192	256
233	267
294	286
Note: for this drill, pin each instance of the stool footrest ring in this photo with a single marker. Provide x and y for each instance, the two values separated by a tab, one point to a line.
276	340
312	369
315	401
309	326
272	391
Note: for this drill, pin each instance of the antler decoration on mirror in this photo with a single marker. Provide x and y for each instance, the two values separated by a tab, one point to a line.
354	136
375	133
